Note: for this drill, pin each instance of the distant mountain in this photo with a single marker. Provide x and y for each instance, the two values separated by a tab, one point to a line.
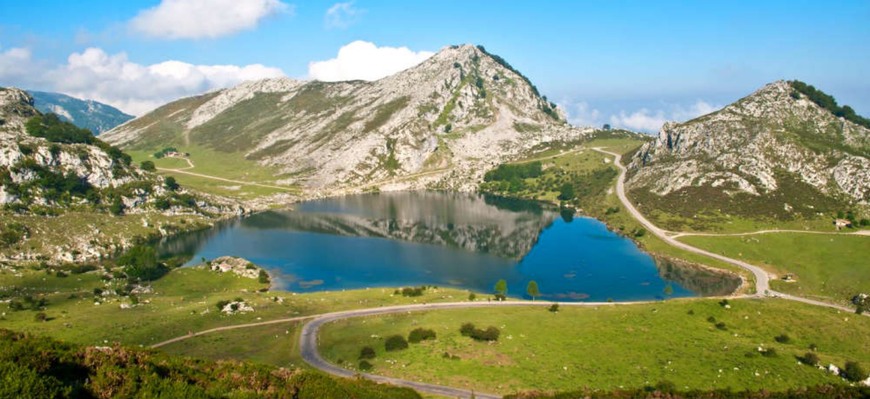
88	114
440	124
780	152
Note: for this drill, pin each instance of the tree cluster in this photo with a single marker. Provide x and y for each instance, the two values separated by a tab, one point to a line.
828	102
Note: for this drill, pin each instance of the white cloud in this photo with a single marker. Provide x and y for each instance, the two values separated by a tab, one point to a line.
136	89
342	15
581	114
365	61
651	121
15	64
197	19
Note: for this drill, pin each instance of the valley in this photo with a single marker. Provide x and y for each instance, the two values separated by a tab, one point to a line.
442	230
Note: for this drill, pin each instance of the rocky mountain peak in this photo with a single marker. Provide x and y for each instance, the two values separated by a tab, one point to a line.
777	142
449	119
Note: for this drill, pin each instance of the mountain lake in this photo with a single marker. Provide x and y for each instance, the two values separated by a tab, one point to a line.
446	239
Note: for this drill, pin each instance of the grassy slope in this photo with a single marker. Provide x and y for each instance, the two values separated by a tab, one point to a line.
829	266
182	301
611	347
210	162
69	227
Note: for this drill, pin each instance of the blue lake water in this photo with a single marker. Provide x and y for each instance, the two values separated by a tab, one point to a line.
445	239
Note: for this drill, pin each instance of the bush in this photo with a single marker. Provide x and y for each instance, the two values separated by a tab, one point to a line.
365	365
554	308
420	334
222	304
466	329
170	183
782	338
853	372
263	278
395	343
809	358
148	166
41	316
721	325
490	334
472	296
413	291
141	263
367	352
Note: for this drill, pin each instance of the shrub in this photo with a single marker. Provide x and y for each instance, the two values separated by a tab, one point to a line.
413	291
782	338
554	308
170	183
472	296
466	329
420	334
263	278
148	166
490	334
367	352
721	325
395	343
41	316
222	304
365	365
854	372
809	358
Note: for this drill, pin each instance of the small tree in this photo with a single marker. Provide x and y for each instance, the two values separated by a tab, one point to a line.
554	308
472	296
148	165
532	289
365	365
263	277
395	343
501	287
566	192
170	183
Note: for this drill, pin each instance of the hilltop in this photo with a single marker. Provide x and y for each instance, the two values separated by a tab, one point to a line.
778	153
440	124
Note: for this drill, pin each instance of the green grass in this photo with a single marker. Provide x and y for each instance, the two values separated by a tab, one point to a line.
828	266
610	347
232	166
182	301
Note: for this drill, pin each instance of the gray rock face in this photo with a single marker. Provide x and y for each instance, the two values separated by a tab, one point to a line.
440	124
756	145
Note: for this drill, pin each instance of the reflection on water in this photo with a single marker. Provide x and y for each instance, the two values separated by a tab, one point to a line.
462	240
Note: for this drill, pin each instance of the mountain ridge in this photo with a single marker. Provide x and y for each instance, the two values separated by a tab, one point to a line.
88	114
774	143
452	116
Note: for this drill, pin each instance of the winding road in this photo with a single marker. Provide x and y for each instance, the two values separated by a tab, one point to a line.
762	279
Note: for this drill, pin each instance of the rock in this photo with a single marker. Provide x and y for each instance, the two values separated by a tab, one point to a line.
238	266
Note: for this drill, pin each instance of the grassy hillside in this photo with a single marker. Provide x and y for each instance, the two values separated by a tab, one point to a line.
833	267
612	347
44	368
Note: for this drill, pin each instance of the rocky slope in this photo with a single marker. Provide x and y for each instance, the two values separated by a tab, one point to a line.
87	114
774	153
440	124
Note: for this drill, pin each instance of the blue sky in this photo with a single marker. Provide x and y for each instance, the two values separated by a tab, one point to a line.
630	63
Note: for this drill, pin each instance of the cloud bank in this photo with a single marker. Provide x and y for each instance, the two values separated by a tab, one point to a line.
200	19
365	61
115	80
651	121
